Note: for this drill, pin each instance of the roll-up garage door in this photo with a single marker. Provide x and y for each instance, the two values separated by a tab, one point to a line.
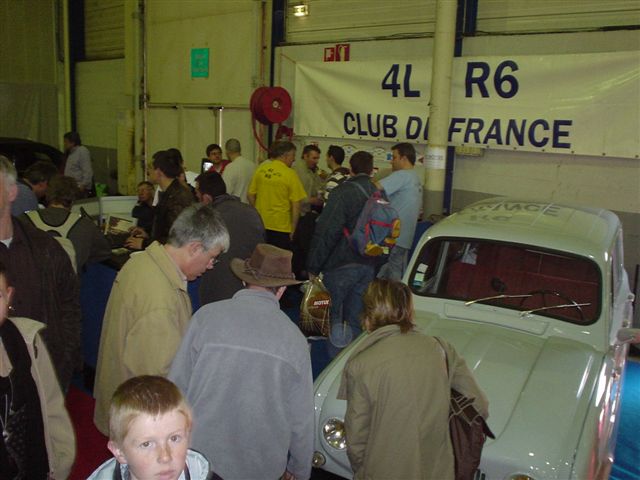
104	29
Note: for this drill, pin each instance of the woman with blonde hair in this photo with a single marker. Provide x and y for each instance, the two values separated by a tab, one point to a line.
397	389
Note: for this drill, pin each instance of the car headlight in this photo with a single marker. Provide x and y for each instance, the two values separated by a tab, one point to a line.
334	434
520	476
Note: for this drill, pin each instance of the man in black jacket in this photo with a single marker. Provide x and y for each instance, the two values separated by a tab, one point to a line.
46	287
246	230
174	198
346	273
144	209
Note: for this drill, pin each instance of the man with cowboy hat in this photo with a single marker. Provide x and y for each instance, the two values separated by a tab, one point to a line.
245	369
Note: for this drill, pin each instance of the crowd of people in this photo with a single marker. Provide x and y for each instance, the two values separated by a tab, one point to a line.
232	380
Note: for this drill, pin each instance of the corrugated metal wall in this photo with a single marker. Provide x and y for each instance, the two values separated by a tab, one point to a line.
104	29
341	20
524	16
336	20
28	82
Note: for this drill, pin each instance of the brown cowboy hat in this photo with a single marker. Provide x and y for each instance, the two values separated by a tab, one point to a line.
268	266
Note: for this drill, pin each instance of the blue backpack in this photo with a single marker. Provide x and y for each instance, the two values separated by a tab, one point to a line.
377	228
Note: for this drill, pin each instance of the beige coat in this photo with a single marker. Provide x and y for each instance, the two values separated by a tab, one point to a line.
146	316
58	430
397	393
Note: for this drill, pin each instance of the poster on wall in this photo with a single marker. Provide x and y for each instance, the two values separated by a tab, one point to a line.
199	63
586	104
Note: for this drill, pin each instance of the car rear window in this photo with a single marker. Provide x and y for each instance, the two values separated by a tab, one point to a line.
521	277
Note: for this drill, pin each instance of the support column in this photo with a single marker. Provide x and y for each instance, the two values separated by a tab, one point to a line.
130	125
436	154
278	29
66	126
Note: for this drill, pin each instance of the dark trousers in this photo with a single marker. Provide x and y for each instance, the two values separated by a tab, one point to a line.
278	239
302	243
346	285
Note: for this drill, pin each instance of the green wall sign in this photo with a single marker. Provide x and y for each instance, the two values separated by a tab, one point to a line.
199	63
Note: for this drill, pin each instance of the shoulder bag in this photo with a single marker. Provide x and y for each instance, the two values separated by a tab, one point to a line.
468	431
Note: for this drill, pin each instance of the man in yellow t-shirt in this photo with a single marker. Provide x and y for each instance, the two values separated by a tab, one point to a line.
277	193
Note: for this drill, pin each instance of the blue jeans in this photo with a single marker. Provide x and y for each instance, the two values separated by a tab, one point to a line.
346	286
396	264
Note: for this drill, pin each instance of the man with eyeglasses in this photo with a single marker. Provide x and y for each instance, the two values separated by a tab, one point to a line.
149	306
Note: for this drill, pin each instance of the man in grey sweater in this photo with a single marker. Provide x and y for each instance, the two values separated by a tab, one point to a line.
245	228
245	369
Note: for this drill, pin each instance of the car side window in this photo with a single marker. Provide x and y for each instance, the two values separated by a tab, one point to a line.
42	156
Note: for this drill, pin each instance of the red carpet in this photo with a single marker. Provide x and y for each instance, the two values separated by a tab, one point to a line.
91	444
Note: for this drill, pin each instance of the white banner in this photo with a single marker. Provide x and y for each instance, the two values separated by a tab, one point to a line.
587	104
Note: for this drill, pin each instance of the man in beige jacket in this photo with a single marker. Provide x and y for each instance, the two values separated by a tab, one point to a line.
149	306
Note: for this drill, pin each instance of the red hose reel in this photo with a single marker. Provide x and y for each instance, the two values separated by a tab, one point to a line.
270	105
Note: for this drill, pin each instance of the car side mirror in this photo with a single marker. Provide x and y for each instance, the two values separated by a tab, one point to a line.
629	335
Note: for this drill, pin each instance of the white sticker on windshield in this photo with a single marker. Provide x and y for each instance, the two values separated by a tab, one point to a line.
418	279
422	267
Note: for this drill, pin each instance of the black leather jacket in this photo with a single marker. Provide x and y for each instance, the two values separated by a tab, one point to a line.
173	200
46	290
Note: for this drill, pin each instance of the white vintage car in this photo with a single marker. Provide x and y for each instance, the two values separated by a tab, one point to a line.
536	299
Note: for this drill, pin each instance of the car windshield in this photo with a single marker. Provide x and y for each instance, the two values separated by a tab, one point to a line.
521	277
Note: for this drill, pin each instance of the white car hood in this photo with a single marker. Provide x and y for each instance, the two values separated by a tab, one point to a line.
538	389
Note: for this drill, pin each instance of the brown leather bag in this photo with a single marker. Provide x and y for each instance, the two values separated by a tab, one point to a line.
468	431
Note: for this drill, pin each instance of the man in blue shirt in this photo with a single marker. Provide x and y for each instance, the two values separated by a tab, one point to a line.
404	190
32	187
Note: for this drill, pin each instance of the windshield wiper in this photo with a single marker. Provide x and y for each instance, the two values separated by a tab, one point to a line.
524	313
495	297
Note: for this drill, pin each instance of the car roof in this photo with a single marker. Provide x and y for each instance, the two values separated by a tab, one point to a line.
24	152
17	140
581	230
11	143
